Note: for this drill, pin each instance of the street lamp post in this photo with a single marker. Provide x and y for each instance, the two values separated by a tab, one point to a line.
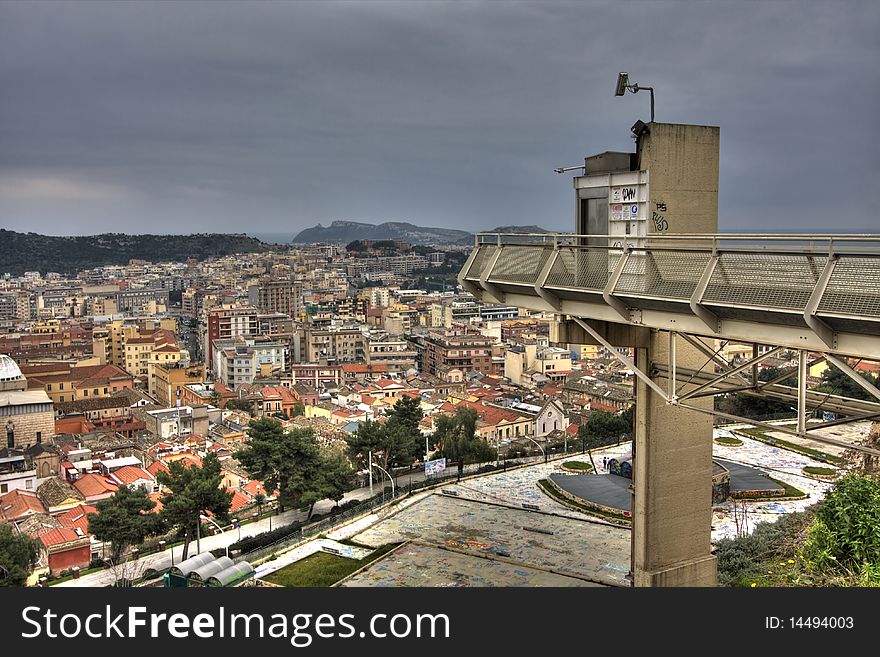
539	447
390	478
222	531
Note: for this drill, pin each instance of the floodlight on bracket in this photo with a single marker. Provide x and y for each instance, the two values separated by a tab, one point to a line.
623	84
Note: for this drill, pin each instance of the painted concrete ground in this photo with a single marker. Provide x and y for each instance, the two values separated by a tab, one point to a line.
417	564
516	487
582	548
488	518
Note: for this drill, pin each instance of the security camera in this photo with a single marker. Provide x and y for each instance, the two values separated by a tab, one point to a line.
622	82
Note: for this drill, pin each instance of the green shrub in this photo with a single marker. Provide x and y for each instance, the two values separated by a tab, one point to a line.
847	531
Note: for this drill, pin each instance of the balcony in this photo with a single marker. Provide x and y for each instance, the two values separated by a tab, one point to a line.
818	292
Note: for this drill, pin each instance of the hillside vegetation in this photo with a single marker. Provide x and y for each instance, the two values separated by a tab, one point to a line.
21	252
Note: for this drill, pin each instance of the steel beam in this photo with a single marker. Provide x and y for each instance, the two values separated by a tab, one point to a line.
773	427
820	328
709	318
843	420
851	373
802	392
608	293
735	370
540	290
623	359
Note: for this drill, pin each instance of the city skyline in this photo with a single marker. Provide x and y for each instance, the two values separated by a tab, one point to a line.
271	118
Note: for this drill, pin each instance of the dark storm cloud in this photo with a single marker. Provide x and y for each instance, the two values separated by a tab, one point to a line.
271	117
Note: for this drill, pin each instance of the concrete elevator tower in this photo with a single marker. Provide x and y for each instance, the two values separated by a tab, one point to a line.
668	187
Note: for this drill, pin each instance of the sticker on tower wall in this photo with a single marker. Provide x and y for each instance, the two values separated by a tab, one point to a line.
624	194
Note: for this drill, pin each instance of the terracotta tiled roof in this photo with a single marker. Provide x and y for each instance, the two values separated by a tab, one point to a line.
239	500
156	467
59	536
129	474
157	499
92	485
19	504
77	517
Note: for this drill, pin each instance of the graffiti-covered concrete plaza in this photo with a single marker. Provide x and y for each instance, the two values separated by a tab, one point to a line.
576	547
417	564
484	536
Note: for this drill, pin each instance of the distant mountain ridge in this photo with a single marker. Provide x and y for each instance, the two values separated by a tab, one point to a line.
343	232
21	252
348	231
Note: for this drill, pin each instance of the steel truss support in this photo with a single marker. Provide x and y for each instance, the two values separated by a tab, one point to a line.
731	372
619	356
773	427
805	397
851	373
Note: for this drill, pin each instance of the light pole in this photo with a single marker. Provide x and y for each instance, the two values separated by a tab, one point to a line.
214	522
376	465
539	447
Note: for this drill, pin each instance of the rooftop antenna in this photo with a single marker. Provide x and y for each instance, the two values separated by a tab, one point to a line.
623	84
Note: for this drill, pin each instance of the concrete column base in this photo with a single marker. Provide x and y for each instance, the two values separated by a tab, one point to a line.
701	571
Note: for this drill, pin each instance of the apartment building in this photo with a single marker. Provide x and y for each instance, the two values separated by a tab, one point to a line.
226	323
457	348
341	344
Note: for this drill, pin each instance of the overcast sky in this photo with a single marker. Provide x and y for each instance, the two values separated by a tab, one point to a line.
188	117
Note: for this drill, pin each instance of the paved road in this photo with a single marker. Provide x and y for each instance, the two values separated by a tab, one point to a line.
164	560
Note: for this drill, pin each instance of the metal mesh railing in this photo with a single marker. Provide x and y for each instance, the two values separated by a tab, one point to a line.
482	258
582	268
764	280
520	264
662	274
753	277
854	287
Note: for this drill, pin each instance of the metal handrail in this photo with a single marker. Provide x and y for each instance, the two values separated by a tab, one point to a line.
852	243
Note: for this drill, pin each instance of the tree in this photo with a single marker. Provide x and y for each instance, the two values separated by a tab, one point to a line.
259	500
335	477
604	426
124	520
215	399
288	462
369	437
191	492
456	437
834	381
397	441
240	405
18	556
402	433
299	409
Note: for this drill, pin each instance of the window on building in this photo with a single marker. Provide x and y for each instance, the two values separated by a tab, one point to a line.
10	438
85	393
39	437
29	484
4	488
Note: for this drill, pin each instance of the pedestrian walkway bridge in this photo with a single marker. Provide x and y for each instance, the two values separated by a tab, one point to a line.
807	292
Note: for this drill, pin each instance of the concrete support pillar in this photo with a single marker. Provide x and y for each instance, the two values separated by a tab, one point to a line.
672	478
